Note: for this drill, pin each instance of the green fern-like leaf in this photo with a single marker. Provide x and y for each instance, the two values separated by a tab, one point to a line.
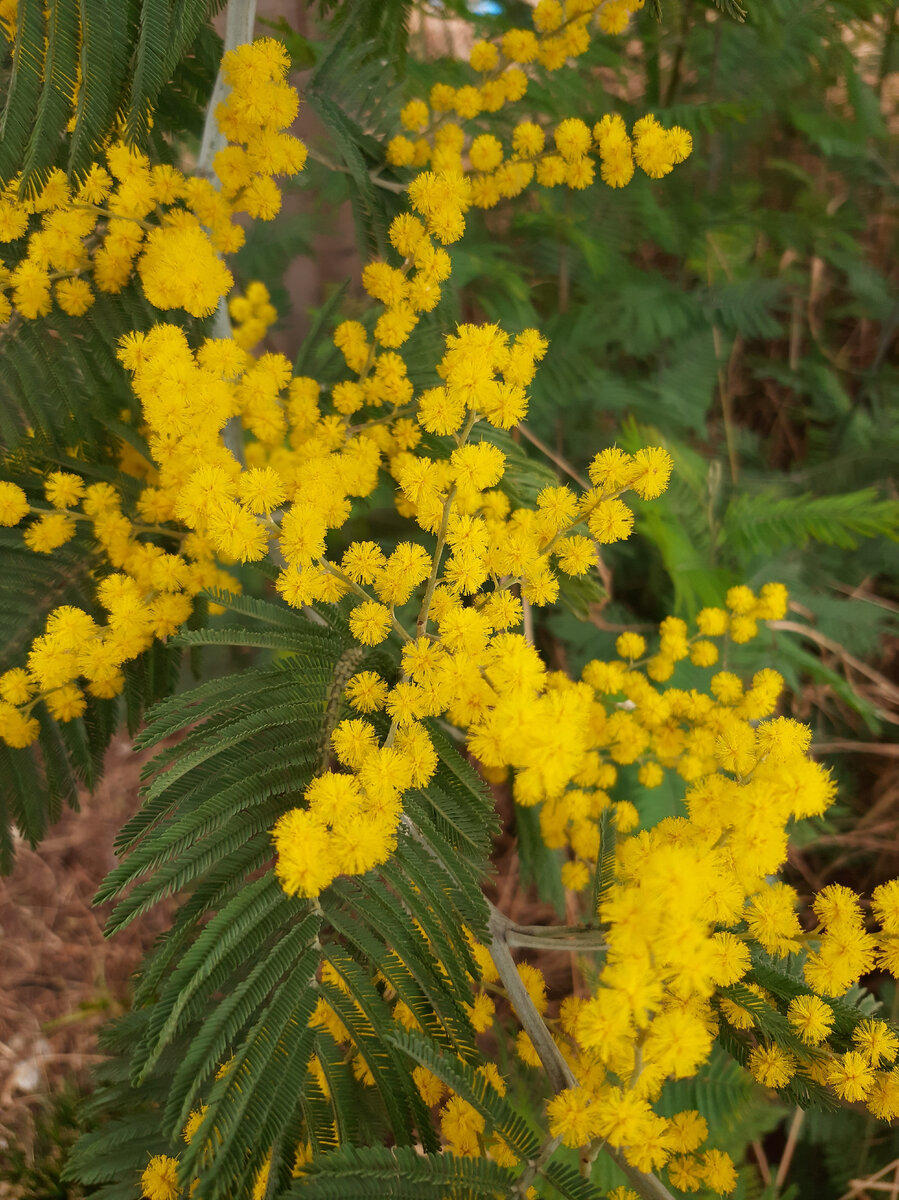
247	1106
24	86
127	51
57	93
769	521
402	1173
474	1088
238	973
103	22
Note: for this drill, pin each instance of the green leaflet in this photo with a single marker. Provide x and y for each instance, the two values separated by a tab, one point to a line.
370	1022
54	105
223	980
231	938
474	1088
103	23
223	1025
243	1117
24	86
770	521
126	50
366	1173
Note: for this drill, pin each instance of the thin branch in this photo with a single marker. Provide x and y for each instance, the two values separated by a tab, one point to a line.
526	1178
591	943
559	461
239	21
557	1070
527	616
552	937
889	749
840	651
789	1149
422	623
389	185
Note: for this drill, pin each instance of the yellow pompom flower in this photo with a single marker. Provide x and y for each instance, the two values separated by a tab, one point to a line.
261	489
851	1076
17	730
772	602
876	1041
652	470
885	905
13	503
735	748
718	1172
481	1012
478	466
651	775
485	152
62	489
414	115
740	600
50	532
573	138
630	646
159	1179
370	622
15	686
194	1121
712	622
572	1117
703	654
66	703
811	1018
74	296
610	521
575	875
576	554
304	859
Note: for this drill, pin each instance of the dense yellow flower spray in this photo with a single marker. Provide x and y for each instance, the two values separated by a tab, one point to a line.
674	911
126	216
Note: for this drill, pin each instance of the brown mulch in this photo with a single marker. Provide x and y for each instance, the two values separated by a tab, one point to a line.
60	979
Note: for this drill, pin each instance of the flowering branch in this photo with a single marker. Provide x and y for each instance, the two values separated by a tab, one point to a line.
239	21
558	1072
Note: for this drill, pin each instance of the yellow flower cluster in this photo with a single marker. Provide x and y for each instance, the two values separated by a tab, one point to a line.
252	315
126	216
688	895
148	594
501	72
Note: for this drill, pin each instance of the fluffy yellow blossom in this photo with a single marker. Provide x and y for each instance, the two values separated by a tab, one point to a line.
851	1076
13	503
572	1117
159	1179
771	1065
811	1018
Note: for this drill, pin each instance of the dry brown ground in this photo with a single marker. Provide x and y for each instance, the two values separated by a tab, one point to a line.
59	977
